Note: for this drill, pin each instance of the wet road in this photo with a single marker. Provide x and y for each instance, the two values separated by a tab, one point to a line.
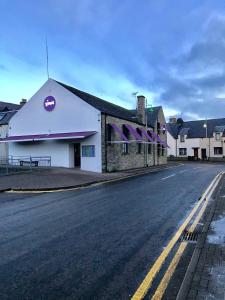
94	243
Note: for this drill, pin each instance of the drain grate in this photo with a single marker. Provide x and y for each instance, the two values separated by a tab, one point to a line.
188	236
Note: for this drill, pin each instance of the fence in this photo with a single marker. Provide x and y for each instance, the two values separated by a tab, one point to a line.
15	164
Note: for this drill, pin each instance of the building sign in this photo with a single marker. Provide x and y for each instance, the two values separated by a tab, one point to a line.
49	103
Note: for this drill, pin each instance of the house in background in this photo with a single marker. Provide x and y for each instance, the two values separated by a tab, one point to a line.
80	130
7	111
201	139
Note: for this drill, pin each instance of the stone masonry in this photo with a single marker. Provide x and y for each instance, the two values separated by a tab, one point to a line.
113	158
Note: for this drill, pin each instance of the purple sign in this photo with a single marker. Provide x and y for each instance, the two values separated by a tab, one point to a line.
49	103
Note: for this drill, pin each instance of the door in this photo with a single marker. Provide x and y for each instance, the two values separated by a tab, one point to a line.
76	155
203	154
196	153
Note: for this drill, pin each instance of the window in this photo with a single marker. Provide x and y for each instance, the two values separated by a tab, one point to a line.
139	147
217	136
125	131
158	128
183	151
88	151
109	133
218	150
182	138
2	114
149	148
158	149
125	148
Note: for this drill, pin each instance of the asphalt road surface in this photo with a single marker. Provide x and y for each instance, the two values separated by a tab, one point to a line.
93	243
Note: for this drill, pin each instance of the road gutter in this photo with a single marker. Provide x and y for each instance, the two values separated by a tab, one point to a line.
86	185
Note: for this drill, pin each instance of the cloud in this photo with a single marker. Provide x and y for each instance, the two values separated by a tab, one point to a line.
196	78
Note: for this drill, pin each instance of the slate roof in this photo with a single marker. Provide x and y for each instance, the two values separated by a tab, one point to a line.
184	131
7	117
9	110
110	108
102	105
4	106
152	116
196	128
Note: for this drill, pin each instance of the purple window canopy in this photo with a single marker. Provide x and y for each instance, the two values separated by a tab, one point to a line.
138	135
145	133
134	132
157	138
119	131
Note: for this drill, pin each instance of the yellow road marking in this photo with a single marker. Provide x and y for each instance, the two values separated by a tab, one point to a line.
166	279
147	282
172	267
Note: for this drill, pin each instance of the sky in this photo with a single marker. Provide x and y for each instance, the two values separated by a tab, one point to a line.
171	51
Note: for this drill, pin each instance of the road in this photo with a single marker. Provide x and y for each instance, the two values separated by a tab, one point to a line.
93	243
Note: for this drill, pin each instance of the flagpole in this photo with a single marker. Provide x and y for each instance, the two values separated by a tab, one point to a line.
46	48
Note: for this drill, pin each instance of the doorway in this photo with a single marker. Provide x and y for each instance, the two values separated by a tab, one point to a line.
77	155
195	153
204	154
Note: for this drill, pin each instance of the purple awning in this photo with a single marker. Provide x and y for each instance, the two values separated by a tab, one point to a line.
119	131
145	133
134	132
51	136
156	137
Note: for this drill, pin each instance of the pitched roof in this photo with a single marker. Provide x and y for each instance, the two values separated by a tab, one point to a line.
112	109
152	115
9	110
4	106
7	116
102	105
196	128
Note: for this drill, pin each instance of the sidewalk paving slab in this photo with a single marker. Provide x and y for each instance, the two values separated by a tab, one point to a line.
63	178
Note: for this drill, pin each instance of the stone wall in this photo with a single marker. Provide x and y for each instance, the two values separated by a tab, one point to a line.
113	158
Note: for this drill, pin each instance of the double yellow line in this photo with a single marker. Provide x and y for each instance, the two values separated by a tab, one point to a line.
148	280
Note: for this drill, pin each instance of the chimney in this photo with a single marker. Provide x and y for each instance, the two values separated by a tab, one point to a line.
141	115
173	120
23	101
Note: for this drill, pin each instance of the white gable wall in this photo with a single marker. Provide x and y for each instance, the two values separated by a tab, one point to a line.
71	114
171	141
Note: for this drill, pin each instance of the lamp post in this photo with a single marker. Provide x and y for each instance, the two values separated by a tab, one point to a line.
206	136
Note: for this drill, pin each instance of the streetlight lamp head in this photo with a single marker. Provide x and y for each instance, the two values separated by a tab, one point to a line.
205	125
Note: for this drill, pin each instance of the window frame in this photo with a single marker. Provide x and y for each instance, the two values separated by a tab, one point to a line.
88	151
125	148
218	148
182	138
139	148
217	135
182	151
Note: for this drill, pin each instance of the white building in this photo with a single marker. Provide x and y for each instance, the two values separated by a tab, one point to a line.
7	110
201	139
74	129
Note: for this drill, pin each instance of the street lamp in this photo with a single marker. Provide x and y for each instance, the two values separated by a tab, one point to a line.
206	136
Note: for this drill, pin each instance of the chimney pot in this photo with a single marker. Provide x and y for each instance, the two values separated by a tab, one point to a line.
173	120
23	101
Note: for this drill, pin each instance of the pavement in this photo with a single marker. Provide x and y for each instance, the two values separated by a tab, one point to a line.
63	178
98	242
205	277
